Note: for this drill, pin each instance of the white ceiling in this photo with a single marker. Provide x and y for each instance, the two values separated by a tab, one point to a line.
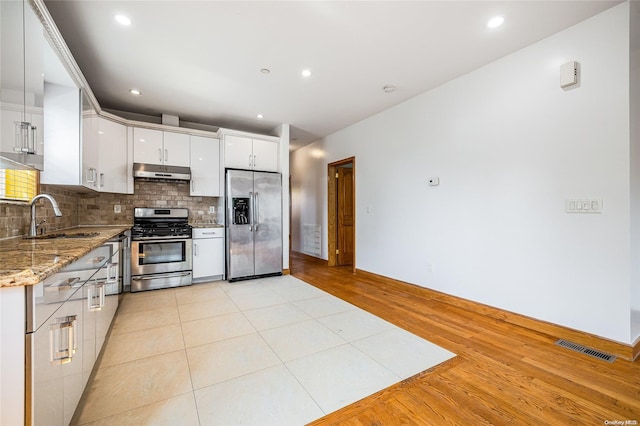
201	60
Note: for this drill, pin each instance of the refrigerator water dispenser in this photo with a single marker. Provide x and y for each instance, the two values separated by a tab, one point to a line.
241	215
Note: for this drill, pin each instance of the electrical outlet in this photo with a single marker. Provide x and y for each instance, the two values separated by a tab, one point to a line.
117	208
212	209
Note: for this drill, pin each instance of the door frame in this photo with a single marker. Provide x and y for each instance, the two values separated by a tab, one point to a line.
332	210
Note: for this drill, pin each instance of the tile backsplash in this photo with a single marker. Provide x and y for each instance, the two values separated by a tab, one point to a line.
98	208
15	218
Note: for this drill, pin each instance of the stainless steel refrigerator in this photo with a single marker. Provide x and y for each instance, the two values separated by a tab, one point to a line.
254	224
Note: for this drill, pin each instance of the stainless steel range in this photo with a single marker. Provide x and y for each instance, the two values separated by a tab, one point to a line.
161	248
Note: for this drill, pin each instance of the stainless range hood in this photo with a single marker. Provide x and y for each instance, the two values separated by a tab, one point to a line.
156	171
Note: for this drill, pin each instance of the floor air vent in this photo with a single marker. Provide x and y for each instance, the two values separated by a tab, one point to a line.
588	351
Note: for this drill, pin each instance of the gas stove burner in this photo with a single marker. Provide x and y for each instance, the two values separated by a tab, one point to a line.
157	223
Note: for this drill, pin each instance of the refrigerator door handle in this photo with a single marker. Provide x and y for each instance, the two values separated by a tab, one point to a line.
256	211
251	211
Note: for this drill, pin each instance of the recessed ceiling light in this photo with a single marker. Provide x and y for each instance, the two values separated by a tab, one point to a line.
265	70
135	92
123	20
389	88
495	22
306	73
260	116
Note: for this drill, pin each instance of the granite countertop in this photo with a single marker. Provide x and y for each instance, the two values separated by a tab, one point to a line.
207	225
29	261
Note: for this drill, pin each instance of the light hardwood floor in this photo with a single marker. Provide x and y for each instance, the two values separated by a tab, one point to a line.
503	374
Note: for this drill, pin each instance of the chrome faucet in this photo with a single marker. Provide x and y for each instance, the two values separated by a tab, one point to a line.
56	211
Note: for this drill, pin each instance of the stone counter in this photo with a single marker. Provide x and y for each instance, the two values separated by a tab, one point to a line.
29	261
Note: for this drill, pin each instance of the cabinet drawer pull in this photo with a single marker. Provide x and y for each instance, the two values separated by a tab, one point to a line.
63	338
33	140
89	176
112	273
69	282
91	304
159	154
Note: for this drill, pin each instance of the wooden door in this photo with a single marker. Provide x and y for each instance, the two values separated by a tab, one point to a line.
345	215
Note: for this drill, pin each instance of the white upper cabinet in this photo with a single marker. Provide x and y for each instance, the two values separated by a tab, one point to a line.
21	83
147	146
265	155
158	147
176	149
64	154
238	152
90	150
243	152
205	166
115	170
100	160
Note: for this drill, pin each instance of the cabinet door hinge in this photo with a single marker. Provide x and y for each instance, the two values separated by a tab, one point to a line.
337	251
337	175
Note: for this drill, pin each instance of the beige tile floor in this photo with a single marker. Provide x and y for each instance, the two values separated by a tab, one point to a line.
273	351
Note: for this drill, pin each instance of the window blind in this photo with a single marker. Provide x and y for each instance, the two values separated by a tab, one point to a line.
18	185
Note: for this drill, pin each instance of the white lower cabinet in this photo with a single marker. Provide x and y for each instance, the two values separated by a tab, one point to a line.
70	315
12	355
57	365
208	254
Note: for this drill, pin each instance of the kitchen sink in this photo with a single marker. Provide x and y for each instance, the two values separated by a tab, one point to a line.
64	235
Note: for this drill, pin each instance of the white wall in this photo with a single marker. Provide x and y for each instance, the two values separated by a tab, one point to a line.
634	106
509	147
283	132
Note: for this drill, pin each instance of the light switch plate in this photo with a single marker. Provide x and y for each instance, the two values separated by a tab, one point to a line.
117	208
584	205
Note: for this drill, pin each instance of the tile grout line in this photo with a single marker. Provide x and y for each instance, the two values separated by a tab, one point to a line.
290	304
186	355
282	362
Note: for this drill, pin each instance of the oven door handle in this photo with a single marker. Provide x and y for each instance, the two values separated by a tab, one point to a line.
153	277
